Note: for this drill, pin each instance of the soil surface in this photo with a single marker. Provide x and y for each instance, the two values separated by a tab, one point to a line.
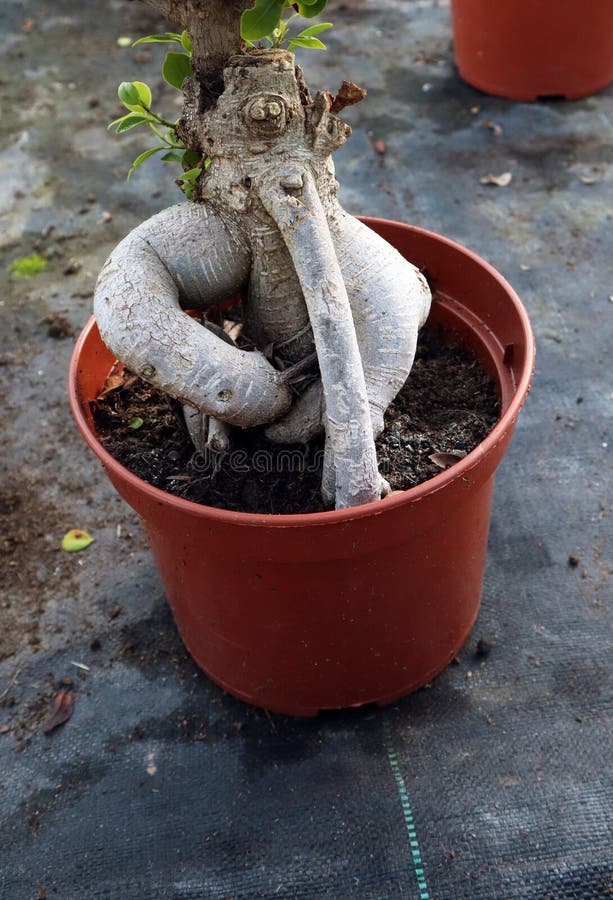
447	406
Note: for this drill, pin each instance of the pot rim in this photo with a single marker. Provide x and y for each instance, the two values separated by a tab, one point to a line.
338	516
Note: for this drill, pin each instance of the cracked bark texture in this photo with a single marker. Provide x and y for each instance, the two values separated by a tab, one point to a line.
267	225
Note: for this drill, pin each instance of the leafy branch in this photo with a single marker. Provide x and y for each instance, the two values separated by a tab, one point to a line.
137	98
265	22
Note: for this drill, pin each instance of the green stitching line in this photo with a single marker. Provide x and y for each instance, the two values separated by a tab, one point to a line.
407	813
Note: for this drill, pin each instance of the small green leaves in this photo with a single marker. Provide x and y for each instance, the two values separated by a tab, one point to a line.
176	68
313	30
131	121
144	93
310	8
75	540
308	38
169	37
27	266
262	19
310	43
191	175
136	423
141	159
186	43
128	94
187	180
135	95
191	159
265	21
174	156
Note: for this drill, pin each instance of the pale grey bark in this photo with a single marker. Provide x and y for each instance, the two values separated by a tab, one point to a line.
185	257
390	301
292	200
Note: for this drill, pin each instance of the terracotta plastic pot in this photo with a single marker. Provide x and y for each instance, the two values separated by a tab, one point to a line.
533	49
298	613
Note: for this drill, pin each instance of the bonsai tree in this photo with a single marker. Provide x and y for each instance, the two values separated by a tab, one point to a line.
332	310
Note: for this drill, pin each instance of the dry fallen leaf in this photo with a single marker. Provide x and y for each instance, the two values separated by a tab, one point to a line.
112	383
82	666
499	180
380	147
115	382
587	179
493	127
63	707
444	460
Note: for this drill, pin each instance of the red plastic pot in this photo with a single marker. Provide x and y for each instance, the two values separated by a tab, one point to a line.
533	49
299	613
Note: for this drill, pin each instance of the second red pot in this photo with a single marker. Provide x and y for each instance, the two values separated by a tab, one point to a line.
532	49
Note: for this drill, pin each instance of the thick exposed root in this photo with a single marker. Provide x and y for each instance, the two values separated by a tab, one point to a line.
186	256
302	222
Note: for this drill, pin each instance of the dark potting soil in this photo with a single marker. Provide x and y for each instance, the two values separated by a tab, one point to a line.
447	406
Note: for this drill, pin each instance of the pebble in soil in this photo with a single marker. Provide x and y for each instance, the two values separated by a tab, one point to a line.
447	406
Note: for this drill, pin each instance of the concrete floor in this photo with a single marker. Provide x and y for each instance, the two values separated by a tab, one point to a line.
162	786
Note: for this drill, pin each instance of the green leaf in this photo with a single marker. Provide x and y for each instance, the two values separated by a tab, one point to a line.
310	8
136	423
191	175
311	43
314	30
141	159
186	42
173	156
135	95
191	159
117	121
262	19
168	38
132	121
176	68
128	94
144	93
75	540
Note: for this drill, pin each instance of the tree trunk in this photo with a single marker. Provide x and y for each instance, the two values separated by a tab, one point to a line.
214	27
